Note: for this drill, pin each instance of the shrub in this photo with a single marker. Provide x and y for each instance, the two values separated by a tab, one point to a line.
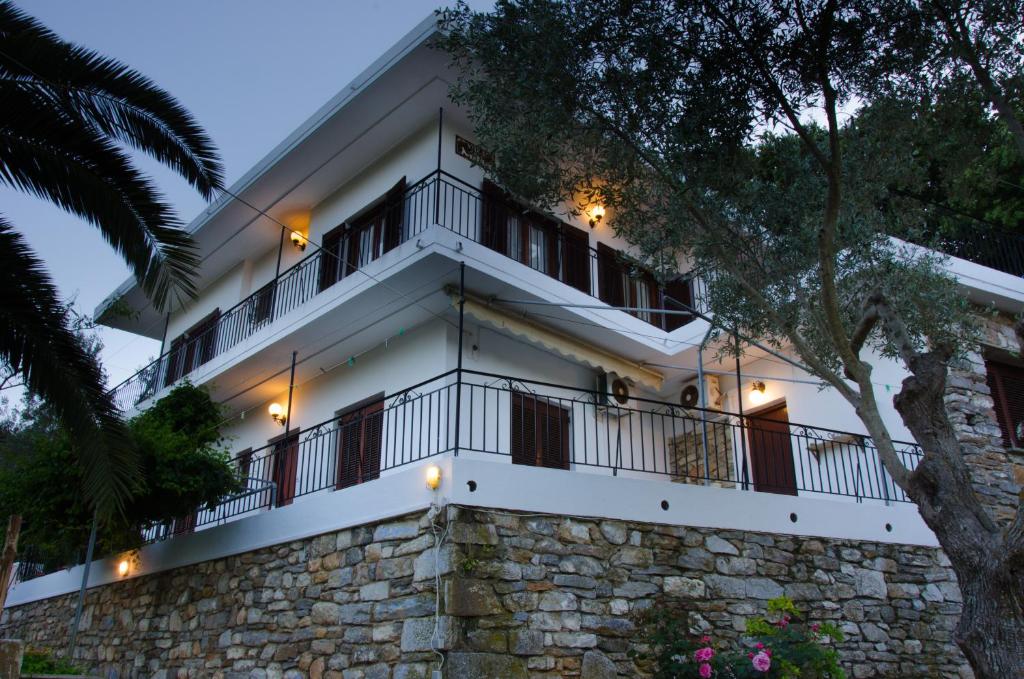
41	661
780	645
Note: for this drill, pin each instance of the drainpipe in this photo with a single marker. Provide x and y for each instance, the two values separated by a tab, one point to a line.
437	180
703	406
739	408
81	592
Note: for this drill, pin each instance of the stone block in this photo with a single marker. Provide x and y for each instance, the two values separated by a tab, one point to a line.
485	666
870	583
596	665
526	642
418	632
471	598
413	606
400	530
325	613
717	545
555	600
688	588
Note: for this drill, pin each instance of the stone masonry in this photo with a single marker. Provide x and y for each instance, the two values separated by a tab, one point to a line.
998	473
522	596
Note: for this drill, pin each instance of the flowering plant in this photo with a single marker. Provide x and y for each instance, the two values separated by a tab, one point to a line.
779	645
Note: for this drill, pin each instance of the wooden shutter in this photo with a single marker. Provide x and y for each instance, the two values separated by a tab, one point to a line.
677	294
244	463
494	227
262	304
185	524
1006	382
286	463
524	429
175	361
205	333
610	277
539	433
330	257
360	437
575	258
394	213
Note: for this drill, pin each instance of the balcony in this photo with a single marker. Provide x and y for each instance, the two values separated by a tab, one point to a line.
522	422
487	217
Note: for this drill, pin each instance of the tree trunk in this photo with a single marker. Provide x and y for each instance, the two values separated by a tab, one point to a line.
991	627
8	555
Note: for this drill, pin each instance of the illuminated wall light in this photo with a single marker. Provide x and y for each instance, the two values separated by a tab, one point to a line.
123	567
299	241
596	214
276	411
433	477
757	392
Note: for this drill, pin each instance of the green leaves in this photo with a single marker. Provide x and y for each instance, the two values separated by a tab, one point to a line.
184	466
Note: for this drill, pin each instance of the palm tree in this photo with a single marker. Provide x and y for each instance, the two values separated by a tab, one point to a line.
69	116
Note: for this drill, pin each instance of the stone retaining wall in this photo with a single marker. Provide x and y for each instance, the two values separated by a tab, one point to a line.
538	596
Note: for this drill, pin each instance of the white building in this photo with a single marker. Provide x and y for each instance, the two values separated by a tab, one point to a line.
352	330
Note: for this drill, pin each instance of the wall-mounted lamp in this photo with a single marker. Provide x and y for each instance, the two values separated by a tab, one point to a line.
433	477
277	413
596	214
299	241
123	567
757	389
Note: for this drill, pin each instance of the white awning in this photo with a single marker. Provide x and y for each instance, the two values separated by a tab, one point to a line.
562	344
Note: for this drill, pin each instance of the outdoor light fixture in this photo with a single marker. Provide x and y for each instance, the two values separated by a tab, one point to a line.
277	413
299	241
122	568
757	392
596	214
433	477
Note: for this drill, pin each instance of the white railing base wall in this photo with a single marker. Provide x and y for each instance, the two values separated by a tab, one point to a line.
503	486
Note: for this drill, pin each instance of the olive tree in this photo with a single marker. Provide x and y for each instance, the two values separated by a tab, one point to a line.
763	140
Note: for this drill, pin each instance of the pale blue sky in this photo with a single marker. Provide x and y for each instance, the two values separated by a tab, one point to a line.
250	71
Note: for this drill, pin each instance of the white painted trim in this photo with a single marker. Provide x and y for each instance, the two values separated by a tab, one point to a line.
501	485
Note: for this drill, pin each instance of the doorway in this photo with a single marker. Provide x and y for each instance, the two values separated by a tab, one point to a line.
771	451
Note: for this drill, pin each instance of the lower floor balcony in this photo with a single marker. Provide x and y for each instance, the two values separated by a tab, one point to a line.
482	416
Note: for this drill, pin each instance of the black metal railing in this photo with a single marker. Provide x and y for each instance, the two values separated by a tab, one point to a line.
1001	251
544	424
440	199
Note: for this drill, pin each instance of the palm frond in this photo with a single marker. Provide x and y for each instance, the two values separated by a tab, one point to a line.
35	341
107	94
57	157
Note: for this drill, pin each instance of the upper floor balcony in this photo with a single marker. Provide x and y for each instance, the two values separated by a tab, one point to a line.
525	237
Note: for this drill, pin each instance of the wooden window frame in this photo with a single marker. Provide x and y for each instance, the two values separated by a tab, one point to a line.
364	420
531	428
1007	407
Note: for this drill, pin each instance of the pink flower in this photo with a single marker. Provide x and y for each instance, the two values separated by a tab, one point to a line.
705	640
815	627
704	654
704	671
762	662
760	645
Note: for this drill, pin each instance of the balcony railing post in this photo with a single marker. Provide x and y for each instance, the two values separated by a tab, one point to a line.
458	372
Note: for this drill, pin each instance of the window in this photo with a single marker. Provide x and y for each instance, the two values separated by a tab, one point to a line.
360	433
534	239
539	432
192	348
244	464
357	243
261	305
1006	382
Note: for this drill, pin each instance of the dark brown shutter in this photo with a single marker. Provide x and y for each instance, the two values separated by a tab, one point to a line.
554	436
175	361
524	430
540	433
575	258
373	433
394	211
244	463
360	437
494	226
549	228
610	276
1006	382
677	298
262	304
353	242
286	464
205	333
330	257
185	524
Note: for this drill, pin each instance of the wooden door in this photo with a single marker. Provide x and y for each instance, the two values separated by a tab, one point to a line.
575	257
360	435
771	451
286	464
